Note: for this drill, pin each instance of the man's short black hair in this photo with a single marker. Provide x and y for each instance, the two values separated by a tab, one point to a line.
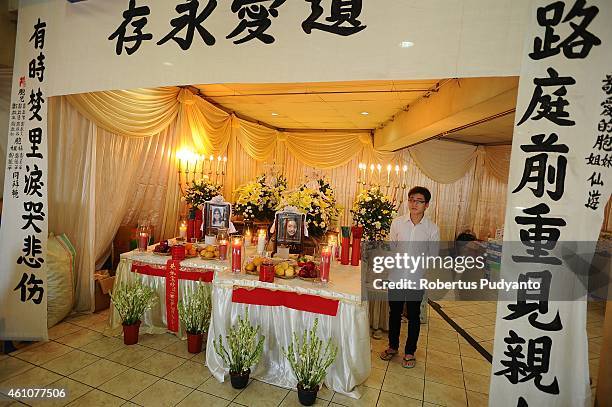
420	190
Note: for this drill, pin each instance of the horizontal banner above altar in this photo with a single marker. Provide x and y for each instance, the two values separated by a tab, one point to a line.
138	43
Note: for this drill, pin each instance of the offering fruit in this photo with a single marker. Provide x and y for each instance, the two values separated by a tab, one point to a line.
290	272
308	270
162	247
250	267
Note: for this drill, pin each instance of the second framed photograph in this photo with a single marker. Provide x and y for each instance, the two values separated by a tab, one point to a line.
217	216
289	227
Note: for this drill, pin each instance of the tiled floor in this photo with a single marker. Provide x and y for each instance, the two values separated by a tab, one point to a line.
91	361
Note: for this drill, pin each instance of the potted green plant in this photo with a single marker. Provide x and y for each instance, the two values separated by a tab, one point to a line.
195	315
245	349
309	359
131	300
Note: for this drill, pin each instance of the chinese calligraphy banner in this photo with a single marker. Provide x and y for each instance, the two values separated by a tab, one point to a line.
560	180
23	277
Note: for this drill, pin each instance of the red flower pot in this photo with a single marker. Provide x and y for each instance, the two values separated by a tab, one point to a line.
194	342
130	333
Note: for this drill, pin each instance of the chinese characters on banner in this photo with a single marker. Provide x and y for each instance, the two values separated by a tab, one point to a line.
254	21
23	309
560	177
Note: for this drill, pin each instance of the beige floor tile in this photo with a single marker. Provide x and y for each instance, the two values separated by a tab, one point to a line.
440	324
464	323
477	399
73	389
375	379
103	347
44	353
404	385
11	366
444	395
190	374
80	338
158	342
377	362
396	368
162	393
444	375
98	372
369	397
478	366
468	350
62	329
443	334
387	399
35	377
160	364
291	400
259	394
476	382
97	398
443	359
128	384
223	390
199	399
131	355
180	349
70	362
84	320
488	345
485	333
443	345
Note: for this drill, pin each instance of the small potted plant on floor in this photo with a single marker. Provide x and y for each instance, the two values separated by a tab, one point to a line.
131	300
309	359
195	316
245	349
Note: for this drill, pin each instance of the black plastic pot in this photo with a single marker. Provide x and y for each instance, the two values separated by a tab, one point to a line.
240	380
307	397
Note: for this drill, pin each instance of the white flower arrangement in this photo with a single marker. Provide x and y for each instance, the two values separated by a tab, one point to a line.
374	211
195	312
131	300
259	199
245	349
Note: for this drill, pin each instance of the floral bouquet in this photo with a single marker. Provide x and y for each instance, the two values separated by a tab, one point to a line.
259	199
374	211
200	192
318	201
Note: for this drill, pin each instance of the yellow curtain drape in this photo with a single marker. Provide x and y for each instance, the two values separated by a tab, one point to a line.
497	161
130	113
443	161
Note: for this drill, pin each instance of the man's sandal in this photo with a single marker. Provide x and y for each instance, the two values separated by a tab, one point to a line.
408	362
388	354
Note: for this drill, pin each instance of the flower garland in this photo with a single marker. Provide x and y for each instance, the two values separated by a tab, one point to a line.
200	192
374	211
259	199
318	201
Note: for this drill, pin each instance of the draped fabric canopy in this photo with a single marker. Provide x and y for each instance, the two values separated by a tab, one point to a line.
120	148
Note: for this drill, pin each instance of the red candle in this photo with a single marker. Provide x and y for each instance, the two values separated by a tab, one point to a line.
237	255
143	240
325	264
222	249
266	272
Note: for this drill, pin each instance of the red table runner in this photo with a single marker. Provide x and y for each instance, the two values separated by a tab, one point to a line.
173	272
277	298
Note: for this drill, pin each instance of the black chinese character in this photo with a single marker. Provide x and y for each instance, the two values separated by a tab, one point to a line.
39	34
37	70
533	309
595	178
32	248
607	107
522	402
36	100
34	287
539	238
578	43
33	183
605	126
343	17
537	364
607	85
254	18
34	212
191	20
537	169
138	36
35	137
604	142
593	200
549	109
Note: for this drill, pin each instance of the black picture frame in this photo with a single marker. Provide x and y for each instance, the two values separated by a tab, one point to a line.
217	216
289	228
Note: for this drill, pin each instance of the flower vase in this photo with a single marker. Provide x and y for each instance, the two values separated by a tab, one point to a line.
191	224
356	246
130	333
198	224
307	397
194	342
240	380
346	242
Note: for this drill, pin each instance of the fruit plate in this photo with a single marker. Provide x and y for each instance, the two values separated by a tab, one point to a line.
190	256
253	273
207	258
162	254
311	279
285	277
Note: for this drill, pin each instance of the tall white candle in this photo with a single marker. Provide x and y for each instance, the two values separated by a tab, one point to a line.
261	242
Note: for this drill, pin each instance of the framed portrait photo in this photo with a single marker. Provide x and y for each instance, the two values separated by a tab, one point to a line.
217	216
289	228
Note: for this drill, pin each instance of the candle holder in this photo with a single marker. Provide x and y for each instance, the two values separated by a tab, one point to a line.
143	238
194	168
237	242
393	183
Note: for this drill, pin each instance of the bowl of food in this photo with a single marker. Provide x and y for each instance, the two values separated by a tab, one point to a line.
308	271
162	248
209	252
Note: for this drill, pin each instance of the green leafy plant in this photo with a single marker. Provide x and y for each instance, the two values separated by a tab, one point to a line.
310	357
200	192
131	300
245	348
195	312
374	211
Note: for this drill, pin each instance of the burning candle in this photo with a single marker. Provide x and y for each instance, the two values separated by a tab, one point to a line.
388	173
379	167
261	241
372	173
404	173
222	250
397	173
325	263
237	255
247	238
183	230
143	240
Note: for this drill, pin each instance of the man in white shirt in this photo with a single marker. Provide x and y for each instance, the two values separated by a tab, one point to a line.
420	236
